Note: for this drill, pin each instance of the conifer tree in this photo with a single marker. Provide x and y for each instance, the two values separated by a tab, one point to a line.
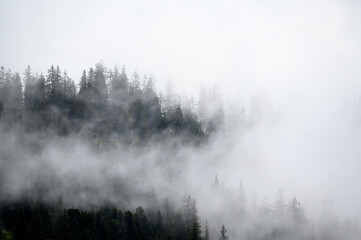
131	232
195	231
100	89
29	89
83	87
279	205
206	234
223	233
16	97
119	87
189	211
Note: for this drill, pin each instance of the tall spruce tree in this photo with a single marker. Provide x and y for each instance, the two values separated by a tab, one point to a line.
100	89
29	89
189	211
206	234
195	231
223	233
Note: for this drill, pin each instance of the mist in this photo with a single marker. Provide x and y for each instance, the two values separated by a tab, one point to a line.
288	80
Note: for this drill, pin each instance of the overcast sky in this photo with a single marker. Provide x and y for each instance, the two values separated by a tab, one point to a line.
304	55
244	45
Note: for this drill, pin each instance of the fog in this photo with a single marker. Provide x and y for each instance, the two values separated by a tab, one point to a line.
292	66
242	44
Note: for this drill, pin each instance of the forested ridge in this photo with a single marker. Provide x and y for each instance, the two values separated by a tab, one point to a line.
105	107
110	111
109	158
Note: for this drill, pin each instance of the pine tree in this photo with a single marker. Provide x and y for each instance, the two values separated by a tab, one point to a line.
195	231
131	232
16	100
115	86
124	82
2	77
100	87
203	108
135	88
178	119
206	234
223	233
189	211
50	83
40	93
119	87
152	107
90	95
279	205
295	210
69	87
11	96
29	89
83	87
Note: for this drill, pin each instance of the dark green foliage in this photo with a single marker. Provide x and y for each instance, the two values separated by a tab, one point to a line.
28	220
38	221
11	96
131	230
129	114
195	231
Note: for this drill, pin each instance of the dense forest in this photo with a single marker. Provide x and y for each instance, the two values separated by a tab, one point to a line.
38	221
163	220
106	159
105	107
109	111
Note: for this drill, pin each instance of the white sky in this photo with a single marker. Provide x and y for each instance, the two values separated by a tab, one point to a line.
244	45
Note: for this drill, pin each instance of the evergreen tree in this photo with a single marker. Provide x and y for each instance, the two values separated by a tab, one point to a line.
279	205
178	119
54	86
40	93
124	82
119	87
100	89
159	221
195	232
11	97
29	89
83	87
131	232
135	88
223	233
203	105
295	211
189	211
206	234
16	99
90	86
69	87
153	110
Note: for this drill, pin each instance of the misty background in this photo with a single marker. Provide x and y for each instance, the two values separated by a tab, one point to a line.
296	63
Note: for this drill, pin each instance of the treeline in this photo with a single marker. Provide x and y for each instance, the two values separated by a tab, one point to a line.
249	218
108	107
27	220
